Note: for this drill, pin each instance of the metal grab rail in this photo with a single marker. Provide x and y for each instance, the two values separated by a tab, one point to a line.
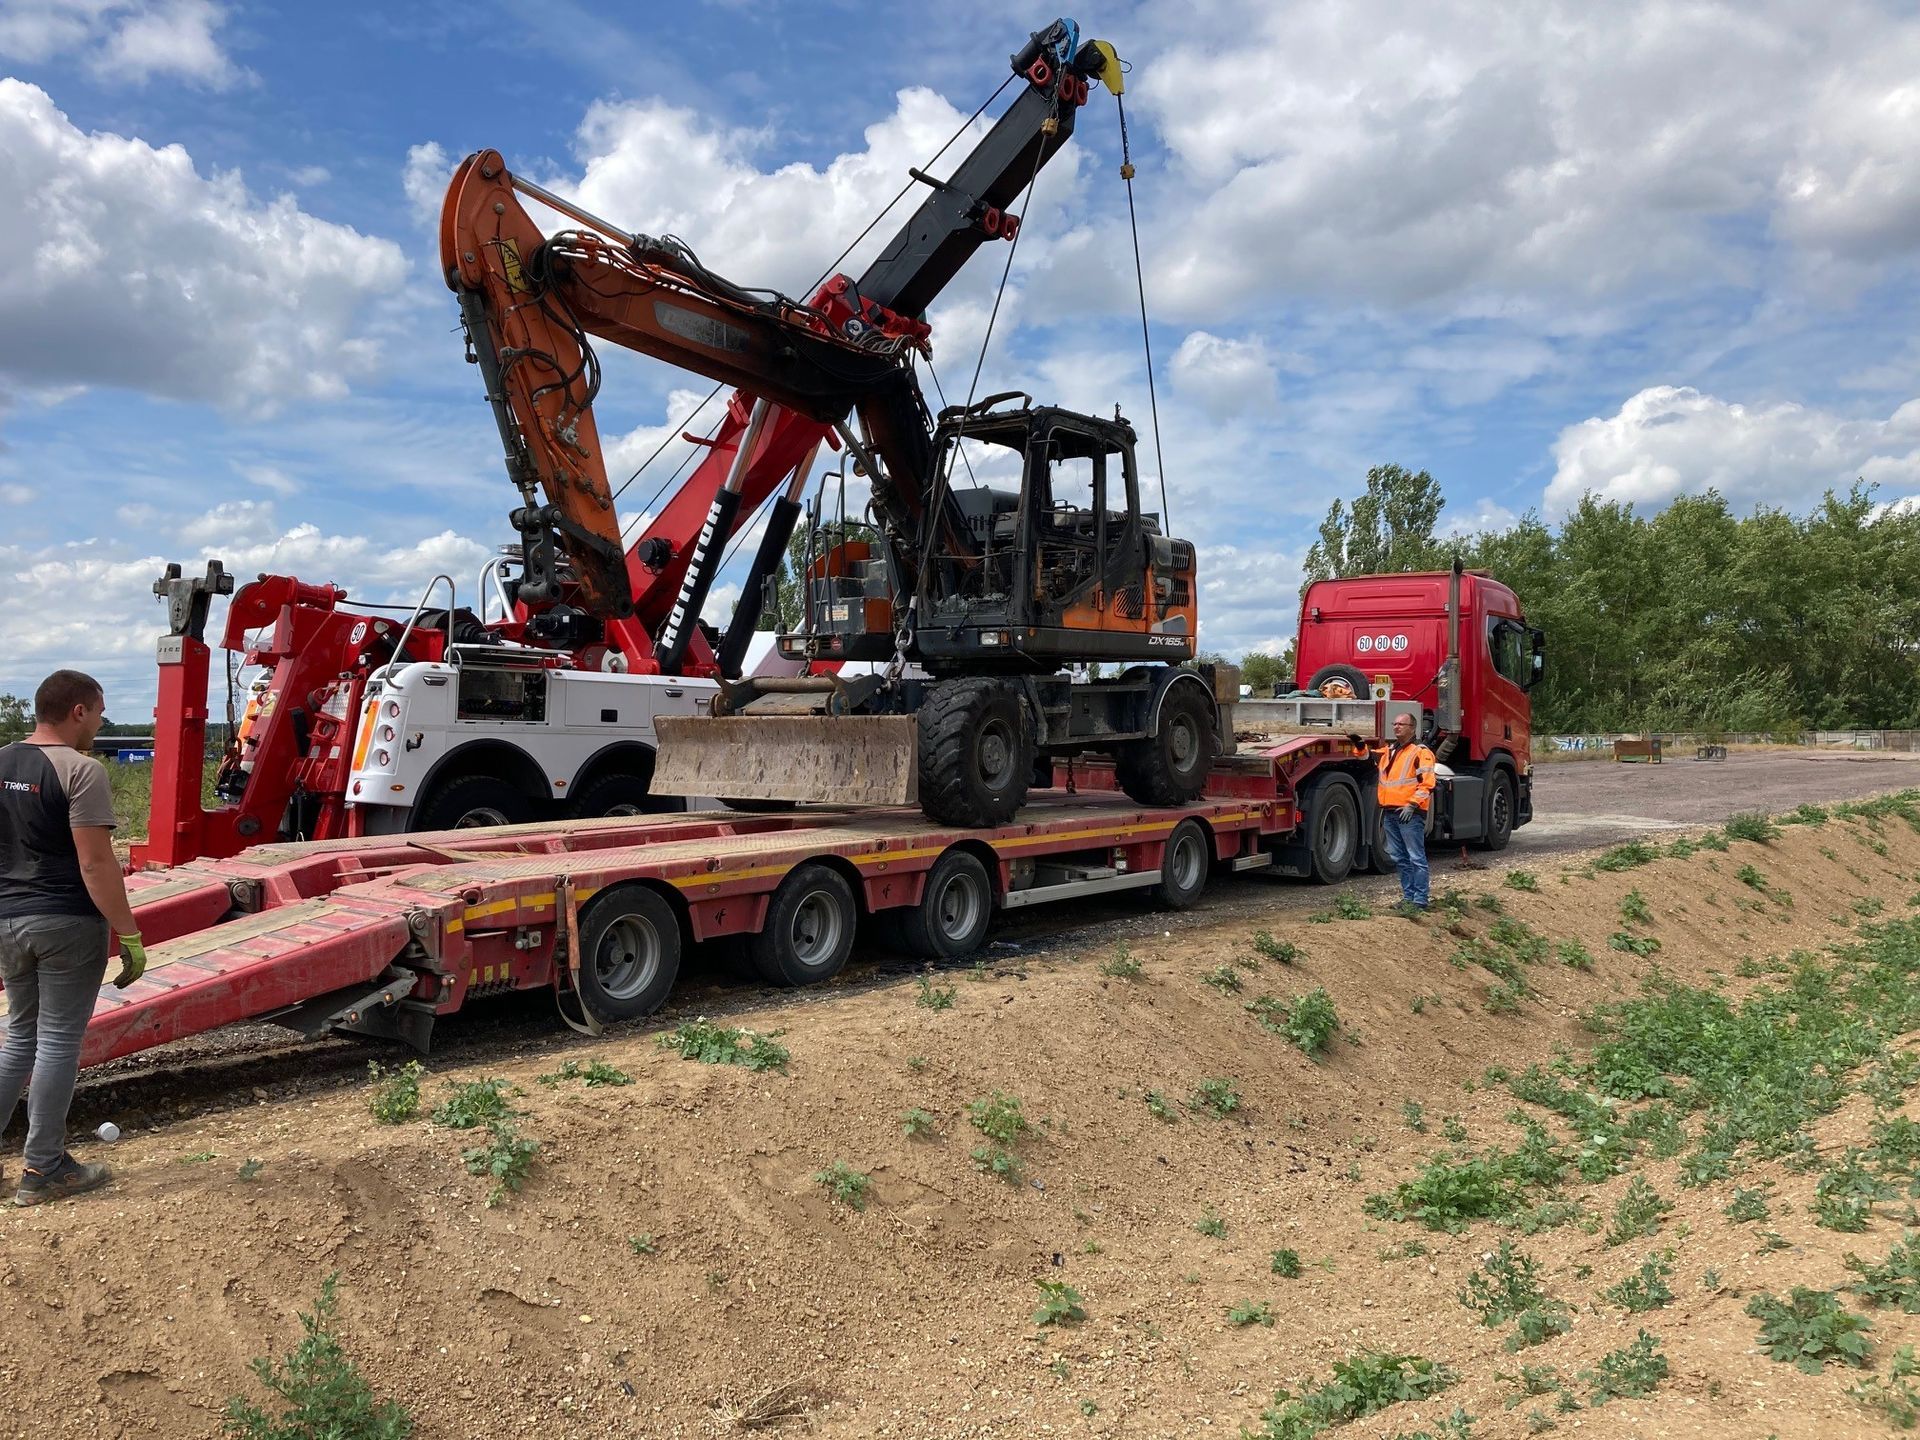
453	603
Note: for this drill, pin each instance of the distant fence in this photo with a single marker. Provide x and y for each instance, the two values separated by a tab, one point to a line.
1684	741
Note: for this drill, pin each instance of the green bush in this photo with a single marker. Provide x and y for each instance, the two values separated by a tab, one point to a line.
1628	1373
1060	1304
323	1396
1645	1289
1751	825
845	1184
1217	1098
396	1096
476	1103
712	1044
1362	1385
1286	1263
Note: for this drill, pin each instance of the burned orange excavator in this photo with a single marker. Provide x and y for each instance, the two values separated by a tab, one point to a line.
976	598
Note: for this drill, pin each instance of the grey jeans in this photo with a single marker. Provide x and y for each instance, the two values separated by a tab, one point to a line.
53	967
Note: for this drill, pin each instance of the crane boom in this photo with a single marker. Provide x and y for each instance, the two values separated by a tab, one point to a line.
530	302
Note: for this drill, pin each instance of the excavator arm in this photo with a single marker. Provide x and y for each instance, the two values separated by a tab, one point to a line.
533	304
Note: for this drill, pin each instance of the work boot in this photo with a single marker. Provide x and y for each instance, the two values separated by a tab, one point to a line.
67	1176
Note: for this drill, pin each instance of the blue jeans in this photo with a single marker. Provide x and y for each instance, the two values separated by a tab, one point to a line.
1407	849
53	966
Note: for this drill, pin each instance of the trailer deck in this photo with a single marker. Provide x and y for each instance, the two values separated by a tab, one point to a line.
384	934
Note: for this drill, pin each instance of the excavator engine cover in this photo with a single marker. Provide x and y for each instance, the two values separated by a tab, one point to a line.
824	759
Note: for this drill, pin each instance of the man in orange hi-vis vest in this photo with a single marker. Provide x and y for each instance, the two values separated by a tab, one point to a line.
1406	793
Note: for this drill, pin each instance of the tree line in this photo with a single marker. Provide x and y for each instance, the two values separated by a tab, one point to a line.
1694	618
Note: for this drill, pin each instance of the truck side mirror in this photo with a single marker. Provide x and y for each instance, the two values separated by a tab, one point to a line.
1539	639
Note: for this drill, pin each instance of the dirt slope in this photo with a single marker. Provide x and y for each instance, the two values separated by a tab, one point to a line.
763	1296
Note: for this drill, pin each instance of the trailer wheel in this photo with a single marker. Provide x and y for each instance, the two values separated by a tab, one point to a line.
629	953
1340	682
1378	862
953	914
1333	831
1170	767
472	801
1184	865
809	929
1499	812
976	753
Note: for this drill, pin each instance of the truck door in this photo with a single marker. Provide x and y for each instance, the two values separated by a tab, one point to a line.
1504	708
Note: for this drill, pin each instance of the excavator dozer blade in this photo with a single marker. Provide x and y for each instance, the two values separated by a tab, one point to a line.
826	759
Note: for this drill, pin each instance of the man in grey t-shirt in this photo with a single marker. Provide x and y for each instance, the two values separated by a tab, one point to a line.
62	899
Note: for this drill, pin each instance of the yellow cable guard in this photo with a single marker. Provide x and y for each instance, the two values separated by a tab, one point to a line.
1110	74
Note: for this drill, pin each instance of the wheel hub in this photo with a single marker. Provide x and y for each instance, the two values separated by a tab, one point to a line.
816	929
627	958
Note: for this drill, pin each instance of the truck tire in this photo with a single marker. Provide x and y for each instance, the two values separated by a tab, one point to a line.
1170	766
629	952
470	801
809	929
954	912
1378	862
1332	832
1499	811
1350	674
621	793
1184	866
976	753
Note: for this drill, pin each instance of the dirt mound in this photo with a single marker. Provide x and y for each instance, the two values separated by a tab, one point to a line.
674	1267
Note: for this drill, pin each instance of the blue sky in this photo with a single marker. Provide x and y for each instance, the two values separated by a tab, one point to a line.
1638	249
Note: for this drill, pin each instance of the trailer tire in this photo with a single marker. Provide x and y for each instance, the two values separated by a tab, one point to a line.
809	928
472	801
1499	811
1185	863
954	912
629	953
976	753
1170	766
1349	675
1377	861
1333	831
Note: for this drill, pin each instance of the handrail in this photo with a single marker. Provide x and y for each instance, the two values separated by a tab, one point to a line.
453	603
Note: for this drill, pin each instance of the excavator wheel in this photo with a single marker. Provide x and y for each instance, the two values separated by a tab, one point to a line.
976	753
1170	766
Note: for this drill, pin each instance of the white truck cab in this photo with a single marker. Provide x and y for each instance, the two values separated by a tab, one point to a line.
496	737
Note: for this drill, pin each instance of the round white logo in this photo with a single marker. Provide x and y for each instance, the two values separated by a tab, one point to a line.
1364	644
357	634
1399	642
1382	642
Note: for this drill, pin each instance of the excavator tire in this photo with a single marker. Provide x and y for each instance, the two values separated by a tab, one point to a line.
976	753
1170	766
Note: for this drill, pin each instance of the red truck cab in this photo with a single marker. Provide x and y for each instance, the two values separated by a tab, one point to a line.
1458	643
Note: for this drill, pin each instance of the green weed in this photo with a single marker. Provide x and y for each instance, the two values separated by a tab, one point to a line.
1122	965
1060	1304
476	1103
1895	1397
1747	1205
917	1124
845	1184
1286	1263
1211	1225
1247	1313
1636	1213
712	1044
506	1158
1281	952
1351	907
1629	856
1414	1117
1506	1283
1645	1289
1217	1098
1633	909
593	1074
1892	1281
641	1244
1159	1107
1522	880
1628	1373
396	1095
1810	1328
1223	978
1641	945
1574	955
929	996
320	1391
1362	1385
1751	825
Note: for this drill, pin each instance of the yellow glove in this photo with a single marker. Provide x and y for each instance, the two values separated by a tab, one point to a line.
133	961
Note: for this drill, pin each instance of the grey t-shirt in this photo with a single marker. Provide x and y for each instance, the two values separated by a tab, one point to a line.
45	791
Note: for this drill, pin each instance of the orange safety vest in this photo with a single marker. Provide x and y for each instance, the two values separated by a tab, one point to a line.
1406	776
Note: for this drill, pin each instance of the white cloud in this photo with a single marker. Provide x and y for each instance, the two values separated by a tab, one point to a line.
270	477
424	178
1225	377
16	494
1673	440
131	268
122	40
1554	152
112	635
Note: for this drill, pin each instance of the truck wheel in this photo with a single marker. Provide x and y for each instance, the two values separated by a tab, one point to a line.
953	914
976	753
1379	864
620	794
1184	866
1340	682
1499	812
629	953
809	929
1170	767
472	801
1332	831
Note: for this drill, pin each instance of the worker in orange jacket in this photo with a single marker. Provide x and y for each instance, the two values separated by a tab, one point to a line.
1405	795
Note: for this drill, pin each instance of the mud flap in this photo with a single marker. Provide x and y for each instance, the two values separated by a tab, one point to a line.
832	760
